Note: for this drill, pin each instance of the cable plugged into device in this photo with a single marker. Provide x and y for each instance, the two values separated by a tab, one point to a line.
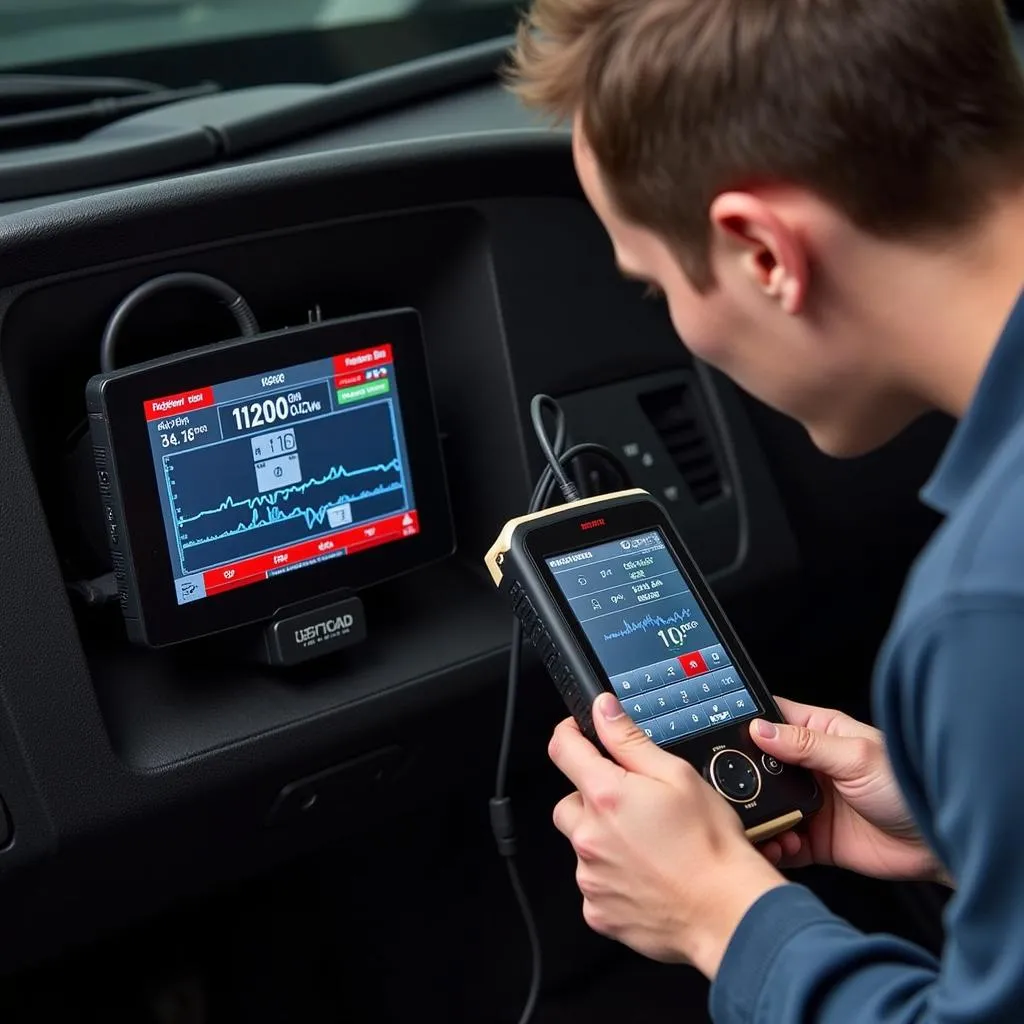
551	451
104	589
554	475
96	592
248	327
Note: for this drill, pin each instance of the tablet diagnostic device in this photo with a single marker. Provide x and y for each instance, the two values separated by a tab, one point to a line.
252	476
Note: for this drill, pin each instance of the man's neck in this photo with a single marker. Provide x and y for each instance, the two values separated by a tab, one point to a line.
942	313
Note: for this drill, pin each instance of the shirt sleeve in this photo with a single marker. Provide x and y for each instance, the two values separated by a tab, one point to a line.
953	706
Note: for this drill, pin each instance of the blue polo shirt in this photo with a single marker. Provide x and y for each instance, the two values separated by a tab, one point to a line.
949	695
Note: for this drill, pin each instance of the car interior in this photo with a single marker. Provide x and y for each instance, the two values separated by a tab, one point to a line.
191	832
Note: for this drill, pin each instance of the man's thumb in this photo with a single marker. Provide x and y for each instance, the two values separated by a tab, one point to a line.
624	740
835	756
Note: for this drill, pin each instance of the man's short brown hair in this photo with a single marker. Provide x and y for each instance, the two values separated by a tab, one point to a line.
907	115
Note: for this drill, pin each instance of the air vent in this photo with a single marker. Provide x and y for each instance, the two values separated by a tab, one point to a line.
676	414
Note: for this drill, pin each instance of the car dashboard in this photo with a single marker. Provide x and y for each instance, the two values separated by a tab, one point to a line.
132	777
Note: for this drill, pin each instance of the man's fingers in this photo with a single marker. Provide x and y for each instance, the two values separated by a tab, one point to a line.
839	757
829	720
819	719
579	760
626	742
567	814
796	851
791	843
789	850
795	713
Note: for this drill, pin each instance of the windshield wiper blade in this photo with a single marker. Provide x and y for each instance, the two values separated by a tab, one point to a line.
41	110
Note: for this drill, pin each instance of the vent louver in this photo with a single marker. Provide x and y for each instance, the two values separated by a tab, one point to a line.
676	414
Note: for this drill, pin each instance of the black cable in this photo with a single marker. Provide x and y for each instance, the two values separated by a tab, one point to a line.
537	407
514	659
236	306
536	962
502	823
543	492
547	479
104	590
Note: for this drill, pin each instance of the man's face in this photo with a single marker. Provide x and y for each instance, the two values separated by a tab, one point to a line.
796	351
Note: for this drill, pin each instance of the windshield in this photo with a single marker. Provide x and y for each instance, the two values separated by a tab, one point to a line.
239	43
341	37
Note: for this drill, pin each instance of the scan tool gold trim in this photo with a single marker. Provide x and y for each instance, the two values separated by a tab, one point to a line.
767	829
496	555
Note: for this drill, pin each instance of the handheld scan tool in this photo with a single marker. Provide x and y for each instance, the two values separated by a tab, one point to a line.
610	599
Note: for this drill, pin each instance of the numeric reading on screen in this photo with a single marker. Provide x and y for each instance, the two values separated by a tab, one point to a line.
270	473
672	637
652	637
259	413
183	436
274	410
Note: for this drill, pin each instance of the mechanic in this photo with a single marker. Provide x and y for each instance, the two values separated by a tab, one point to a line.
830	196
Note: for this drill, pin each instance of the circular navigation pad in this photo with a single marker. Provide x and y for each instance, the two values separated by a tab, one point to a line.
735	776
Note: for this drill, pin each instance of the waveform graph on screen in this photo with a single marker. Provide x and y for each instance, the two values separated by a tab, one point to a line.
645	623
643	636
257	492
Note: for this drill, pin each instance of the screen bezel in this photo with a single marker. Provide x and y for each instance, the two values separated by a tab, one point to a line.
164	621
610	523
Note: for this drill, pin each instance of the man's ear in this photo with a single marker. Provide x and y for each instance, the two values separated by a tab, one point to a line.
771	254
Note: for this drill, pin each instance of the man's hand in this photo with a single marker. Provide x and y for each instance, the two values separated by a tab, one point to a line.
864	824
663	863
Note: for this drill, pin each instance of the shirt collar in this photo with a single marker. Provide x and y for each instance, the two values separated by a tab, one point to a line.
996	409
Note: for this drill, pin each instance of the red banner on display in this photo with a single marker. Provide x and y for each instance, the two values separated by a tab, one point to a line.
362	360
175	405
356	538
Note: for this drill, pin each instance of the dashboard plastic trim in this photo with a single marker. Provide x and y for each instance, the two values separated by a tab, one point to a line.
27	251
